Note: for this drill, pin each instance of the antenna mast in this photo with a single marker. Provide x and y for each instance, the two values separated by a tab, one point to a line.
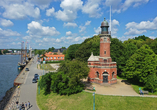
110	19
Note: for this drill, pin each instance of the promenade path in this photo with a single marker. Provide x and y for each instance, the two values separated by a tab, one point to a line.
122	88
28	90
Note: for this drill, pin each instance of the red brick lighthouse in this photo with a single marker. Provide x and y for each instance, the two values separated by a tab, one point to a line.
102	69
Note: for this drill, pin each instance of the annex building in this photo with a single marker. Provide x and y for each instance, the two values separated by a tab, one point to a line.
102	69
55	55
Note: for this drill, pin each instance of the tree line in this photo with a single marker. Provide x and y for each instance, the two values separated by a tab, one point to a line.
136	61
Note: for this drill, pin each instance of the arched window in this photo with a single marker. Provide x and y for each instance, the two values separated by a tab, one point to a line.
97	74
112	75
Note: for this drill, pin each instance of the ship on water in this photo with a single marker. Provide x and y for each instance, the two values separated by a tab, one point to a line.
24	58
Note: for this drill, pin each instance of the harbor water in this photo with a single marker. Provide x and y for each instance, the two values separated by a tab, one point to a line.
8	72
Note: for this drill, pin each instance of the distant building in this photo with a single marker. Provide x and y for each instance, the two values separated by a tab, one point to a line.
10	51
14	51
55	55
102	69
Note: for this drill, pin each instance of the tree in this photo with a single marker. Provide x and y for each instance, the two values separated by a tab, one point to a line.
64	52
63	47
43	56
130	50
67	80
45	82
88	46
141	64
138	43
70	53
118	53
51	49
153	46
143	37
151	84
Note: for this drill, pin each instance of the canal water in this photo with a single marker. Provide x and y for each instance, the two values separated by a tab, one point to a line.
8	72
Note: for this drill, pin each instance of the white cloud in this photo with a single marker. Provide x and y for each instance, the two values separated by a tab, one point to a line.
41	3
82	28
69	33
152	37
58	42
87	23
7	33
69	24
6	23
92	8
135	3
134	32
70	8
123	38
143	25
98	30
119	5
114	29
50	12
21	11
35	29
139	28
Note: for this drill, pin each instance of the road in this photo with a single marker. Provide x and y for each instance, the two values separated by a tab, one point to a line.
28	90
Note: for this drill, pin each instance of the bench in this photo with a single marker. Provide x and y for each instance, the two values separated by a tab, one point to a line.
89	88
144	92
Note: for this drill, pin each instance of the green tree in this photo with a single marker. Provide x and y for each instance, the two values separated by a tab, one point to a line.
130	50
141	64
70	53
45	82
63	47
88	46
117	54
67	80
143	37
64	52
138	43
153	46
51	49
151	84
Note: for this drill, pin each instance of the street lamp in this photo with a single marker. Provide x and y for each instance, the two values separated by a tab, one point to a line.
93	100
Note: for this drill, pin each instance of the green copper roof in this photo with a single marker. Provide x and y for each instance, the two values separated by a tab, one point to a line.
105	22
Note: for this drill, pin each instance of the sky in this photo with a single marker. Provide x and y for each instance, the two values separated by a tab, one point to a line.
61	23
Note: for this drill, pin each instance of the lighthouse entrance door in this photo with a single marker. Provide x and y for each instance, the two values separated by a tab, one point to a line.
105	77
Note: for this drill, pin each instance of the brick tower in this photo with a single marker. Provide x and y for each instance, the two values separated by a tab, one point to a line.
102	69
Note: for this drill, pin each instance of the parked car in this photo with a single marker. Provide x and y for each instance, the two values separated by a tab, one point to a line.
36	76
34	80
27	69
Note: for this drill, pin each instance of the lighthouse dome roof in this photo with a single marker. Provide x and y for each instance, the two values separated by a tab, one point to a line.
104	23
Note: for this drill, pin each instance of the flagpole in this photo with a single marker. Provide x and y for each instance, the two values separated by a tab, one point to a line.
110	19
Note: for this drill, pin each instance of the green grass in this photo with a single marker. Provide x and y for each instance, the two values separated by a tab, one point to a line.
84	101
46	67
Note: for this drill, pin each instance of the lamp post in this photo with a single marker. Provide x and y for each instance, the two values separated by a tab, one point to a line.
93	100
39	85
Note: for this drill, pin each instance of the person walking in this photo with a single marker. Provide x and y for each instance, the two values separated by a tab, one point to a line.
26	105
17	102
29	104
23	106
20	107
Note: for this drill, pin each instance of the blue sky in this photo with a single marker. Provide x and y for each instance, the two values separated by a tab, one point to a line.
58	23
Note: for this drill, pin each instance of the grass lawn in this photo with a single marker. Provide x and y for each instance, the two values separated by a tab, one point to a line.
84	101
46	67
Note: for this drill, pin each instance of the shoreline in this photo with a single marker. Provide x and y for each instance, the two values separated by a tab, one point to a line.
7	97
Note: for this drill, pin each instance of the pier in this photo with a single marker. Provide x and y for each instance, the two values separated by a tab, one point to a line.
20	79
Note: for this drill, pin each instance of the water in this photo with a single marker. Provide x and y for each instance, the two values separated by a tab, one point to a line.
8	72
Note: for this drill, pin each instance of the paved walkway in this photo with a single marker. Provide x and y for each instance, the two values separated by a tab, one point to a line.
29	89
120	89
